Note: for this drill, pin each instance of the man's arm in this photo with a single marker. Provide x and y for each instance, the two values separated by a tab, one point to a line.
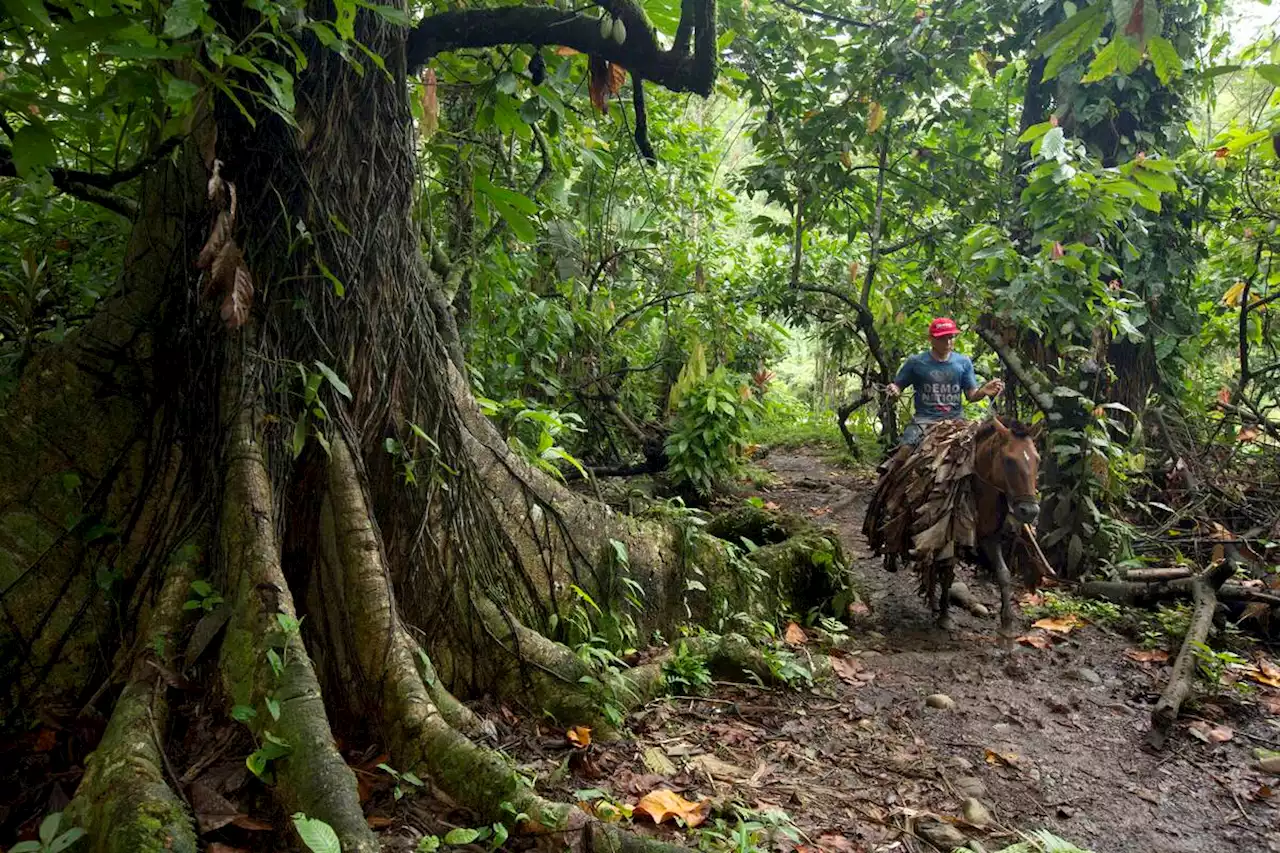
903	380
973	392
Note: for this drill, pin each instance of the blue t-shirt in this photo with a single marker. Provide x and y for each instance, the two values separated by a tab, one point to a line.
938	384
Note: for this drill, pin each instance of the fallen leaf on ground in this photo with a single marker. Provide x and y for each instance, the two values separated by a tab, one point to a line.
717	769
378	821
1211	734
1039	641
213	811
46	740
1265	672
771	505
1061	624
847	669
838	843
795	635
859	608
1030	599
662	804
1271	704
657	762
252	824
579	736
1007	758
1147	655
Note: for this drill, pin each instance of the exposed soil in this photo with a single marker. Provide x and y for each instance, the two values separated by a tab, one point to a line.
1044	738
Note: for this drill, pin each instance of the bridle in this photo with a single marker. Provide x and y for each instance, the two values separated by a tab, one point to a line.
1011	498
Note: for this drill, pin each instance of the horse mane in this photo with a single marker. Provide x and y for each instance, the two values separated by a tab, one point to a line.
988	427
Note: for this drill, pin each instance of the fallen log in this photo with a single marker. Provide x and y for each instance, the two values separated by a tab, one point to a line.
1204	588
1146	594
1153	575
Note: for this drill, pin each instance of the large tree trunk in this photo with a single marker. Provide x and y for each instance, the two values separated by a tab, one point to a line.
167	430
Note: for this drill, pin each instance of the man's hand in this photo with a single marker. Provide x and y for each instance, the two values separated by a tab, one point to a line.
893	390
993	388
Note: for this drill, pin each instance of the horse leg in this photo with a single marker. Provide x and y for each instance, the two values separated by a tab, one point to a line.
995	555
946	575
890	562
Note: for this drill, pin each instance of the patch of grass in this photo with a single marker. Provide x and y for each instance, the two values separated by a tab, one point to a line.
1059	604
793	429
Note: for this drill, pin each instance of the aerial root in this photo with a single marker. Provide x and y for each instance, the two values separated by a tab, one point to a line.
124	801
264	663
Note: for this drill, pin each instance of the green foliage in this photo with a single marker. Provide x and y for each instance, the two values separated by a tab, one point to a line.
53	838
1059	604
686	673
203	597
713	419
317	835
401	778
1043	841
749	831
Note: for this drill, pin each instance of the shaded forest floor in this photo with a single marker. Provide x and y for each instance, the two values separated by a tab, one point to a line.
1043	738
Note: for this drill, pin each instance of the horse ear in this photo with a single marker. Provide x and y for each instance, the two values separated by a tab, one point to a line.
1036	431
999	425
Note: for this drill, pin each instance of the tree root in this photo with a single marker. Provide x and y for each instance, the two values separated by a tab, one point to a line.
312	778
1204	587
124	802
1148	593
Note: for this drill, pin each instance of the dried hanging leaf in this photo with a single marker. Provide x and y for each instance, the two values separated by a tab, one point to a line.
1038	641
238	299
430	104
598	82
795	635
854	268
662	804
1234	295
578	736
875	117
217	188
617	76
219	236
1136	24
1061	624
46	740
1147	655
1249	433
565	51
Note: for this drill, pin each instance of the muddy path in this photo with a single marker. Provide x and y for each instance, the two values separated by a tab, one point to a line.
1041	738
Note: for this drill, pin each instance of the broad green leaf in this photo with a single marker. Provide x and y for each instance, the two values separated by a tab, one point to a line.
506	83
65	840
1268	72
1105	63
1072	39
1158	181
345	19
179	92
49	828
461	836
338	384
183	18
389	13
316	834
1165	59
1052	145
1035	131
33	148
506	196
30	12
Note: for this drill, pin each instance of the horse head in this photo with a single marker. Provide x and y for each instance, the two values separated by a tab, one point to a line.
1014	467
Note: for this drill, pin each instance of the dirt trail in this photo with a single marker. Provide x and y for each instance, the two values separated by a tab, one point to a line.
1046	738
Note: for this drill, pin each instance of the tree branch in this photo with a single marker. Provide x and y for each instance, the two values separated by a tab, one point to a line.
93	186
826	16
1038	386
642	120
674	69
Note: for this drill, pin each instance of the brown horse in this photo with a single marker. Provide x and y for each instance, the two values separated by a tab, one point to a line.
949	499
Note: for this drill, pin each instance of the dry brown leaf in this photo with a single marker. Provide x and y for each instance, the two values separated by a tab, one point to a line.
836	843
1007	758
1038	641
1210	733
1030	599
1147	655
771	505
859	608
1224	395
219	236
46	740
1264	672
1271	704
795	635
875	117
662	804
565	51
430	104
252	824
847	669
213	811
578	736
713	767
1249	433
238	299
378	821
617	76
1060	624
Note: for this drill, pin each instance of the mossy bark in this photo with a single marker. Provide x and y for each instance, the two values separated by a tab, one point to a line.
124	801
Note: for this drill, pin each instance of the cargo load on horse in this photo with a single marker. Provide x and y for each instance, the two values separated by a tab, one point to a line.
948	498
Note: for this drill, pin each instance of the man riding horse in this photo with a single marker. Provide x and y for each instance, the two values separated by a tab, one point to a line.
947	491
939	376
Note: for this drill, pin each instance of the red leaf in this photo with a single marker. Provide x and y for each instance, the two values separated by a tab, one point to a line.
598	83
1136	24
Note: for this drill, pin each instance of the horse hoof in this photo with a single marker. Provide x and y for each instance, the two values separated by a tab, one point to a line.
945	623
1009	632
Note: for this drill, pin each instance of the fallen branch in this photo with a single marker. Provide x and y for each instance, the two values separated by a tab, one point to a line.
1156	575
1204	588
1146	594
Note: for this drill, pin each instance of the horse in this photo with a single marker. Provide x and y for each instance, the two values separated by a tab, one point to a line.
949	498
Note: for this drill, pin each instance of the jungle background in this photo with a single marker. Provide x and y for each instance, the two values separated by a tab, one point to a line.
448	425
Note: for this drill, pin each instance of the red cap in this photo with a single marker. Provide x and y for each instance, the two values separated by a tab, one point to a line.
943	327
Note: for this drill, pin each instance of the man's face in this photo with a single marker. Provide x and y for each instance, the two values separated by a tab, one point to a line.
942	346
